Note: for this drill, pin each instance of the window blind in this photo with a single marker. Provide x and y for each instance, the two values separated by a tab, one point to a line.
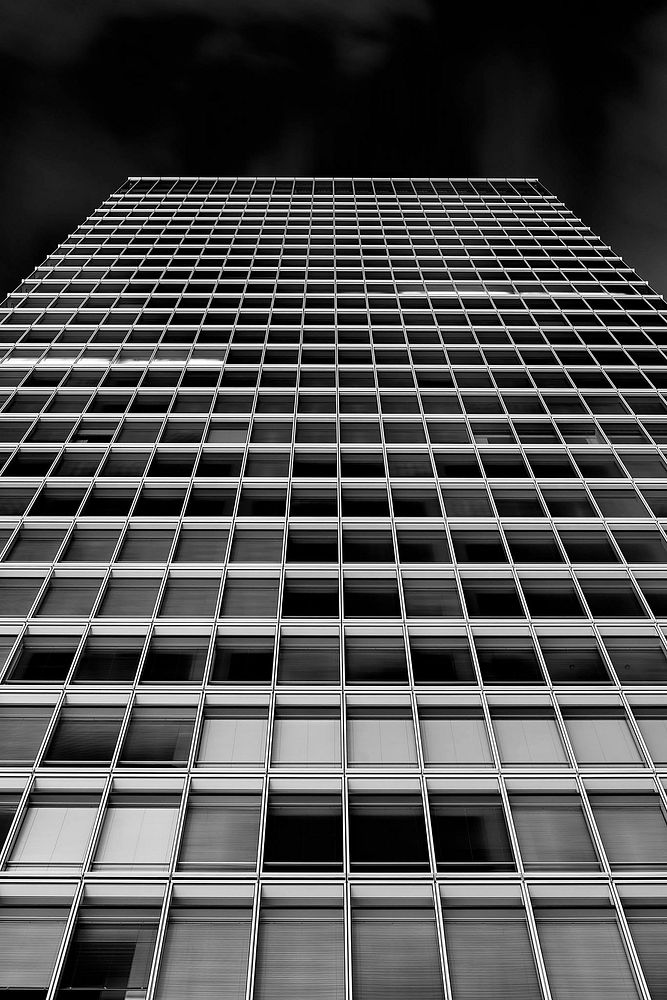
29	941
552	832
190	597
306	736
85	735
234	736
221	831
601	739
584	955
489	955
22	730
454	737
395	955
649	931
54	833
528	739
205	956
653	726
137	835
300	956
633	829
251	598
69	596
129	597
381	736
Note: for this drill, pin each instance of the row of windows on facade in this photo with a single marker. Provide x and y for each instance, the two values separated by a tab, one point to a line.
318	597
351	405
388	832
245	658
484	544
396	949
226	300
599	462
305	734
340	186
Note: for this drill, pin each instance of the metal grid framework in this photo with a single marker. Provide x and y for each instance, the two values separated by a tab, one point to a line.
335	506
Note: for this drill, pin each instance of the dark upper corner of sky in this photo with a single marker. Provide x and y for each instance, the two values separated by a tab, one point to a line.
332	87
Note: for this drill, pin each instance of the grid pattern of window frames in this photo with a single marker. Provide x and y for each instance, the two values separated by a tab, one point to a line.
332	600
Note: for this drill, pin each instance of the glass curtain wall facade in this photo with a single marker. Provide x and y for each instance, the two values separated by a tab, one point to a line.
332	600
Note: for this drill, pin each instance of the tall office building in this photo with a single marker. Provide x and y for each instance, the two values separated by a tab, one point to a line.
332	601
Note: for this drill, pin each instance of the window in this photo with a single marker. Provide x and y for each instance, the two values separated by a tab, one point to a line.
588	546
244	659
489	953
129	597
387	832
478	546
310	597
8	807
138	832
637	659
573	661
306	546
196	545
17	595
257	546
189	597
470	833
507	660
111	954
54	833
306	736
633	829
375	660
438	659
108	660
528	736
172	660
395	953
301	952
235	735
584	954
553	833
303	833
22	729
642	546
85	735
250	597
30	938
205	954
533	547
221	831
367	546
454	737
371	598
308	659
652	722
91	545
601	736
69	596
43	660
36	545
647	925
556	598
431	598
146	545
492	598
380	736
158	736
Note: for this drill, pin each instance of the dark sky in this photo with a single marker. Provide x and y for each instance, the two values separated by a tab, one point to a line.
94	90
